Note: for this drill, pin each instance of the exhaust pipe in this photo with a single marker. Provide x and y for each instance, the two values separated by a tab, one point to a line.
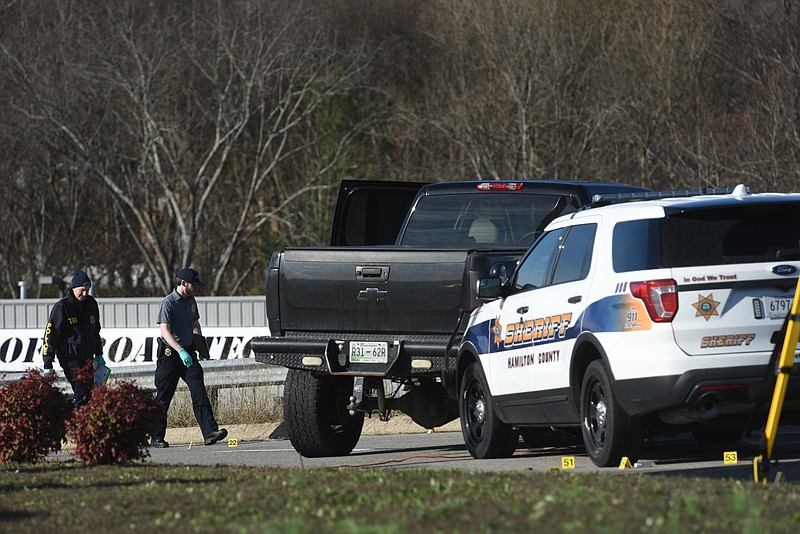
708	406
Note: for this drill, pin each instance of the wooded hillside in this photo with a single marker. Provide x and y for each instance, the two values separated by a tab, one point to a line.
139	137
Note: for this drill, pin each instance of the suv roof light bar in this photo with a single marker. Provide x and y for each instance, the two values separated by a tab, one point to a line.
616	198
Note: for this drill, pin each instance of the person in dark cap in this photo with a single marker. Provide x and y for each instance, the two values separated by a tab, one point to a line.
179	322
73	336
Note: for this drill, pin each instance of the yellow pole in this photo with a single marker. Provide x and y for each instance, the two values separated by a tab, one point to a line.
784	367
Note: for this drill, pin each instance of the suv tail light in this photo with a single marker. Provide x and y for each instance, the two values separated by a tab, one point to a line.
660	297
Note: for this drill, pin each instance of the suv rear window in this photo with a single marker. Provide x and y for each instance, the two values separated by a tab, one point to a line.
711	236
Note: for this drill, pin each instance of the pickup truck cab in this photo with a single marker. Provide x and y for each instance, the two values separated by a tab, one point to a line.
368	327
653	315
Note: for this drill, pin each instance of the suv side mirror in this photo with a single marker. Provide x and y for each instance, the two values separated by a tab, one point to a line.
489	288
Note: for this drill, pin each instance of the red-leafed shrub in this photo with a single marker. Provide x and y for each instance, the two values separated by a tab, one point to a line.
33	412
115	426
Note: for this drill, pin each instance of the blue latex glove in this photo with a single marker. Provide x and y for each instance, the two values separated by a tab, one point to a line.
186	357
99	361
46	372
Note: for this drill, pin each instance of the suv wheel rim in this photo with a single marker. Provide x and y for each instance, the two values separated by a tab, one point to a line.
475	410
479	411
597	414
601	414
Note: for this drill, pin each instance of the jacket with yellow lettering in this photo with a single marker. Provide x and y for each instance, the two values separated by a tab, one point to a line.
73	331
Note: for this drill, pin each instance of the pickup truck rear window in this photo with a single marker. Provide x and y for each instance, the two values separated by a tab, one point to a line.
479	219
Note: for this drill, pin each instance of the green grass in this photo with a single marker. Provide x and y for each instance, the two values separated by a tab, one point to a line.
58	496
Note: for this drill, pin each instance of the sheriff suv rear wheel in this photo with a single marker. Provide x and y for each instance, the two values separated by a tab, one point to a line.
608	432
484	434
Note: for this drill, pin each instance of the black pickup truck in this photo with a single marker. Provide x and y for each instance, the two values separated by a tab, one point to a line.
372	323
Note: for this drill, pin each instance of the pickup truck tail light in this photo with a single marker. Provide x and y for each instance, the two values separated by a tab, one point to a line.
660	297
499	186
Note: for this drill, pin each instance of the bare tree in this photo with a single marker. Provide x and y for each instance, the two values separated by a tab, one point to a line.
197	104
140	137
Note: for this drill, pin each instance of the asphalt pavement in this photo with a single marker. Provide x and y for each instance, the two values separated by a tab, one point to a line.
401	444
444	449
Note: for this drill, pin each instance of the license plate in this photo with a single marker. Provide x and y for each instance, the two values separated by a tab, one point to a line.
369	351
777	307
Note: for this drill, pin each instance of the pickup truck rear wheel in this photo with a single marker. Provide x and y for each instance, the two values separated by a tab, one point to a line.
608	432
484	434
315	413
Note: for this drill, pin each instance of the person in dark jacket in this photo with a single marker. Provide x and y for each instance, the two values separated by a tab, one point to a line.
73	336
179	323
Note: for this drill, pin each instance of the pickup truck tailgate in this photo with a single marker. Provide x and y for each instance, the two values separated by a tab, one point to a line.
370	289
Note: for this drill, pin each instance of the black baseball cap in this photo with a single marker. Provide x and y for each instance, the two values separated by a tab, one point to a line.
191	276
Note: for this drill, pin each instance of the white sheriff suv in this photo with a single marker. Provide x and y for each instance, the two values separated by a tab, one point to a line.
651	314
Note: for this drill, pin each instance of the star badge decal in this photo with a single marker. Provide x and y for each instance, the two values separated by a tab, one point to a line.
497	333
706	306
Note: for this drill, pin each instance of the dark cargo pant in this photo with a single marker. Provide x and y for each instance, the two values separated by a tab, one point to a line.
170	368
79	374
